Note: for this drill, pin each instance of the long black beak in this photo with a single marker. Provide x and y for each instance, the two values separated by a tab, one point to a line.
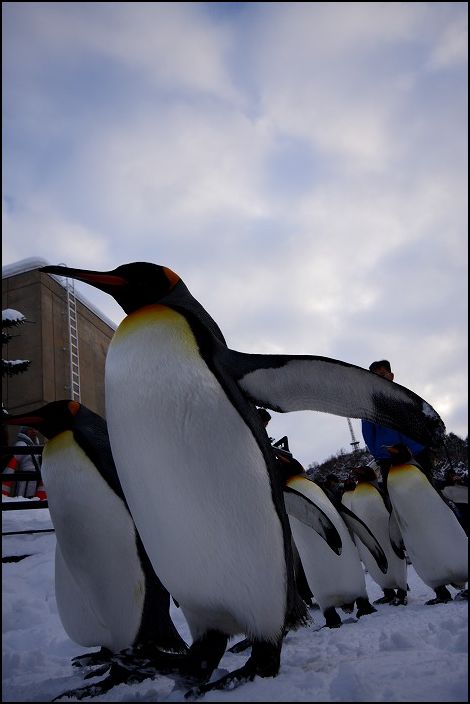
105	280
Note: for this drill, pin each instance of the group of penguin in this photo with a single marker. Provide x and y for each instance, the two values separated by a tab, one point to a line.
178	494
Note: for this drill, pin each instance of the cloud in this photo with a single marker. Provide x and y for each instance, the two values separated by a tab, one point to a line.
43	230
451	48
165	44
302	166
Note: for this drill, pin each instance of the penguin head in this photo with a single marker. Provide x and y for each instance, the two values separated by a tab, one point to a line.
364	473
349	485
49	420
132	285
399	453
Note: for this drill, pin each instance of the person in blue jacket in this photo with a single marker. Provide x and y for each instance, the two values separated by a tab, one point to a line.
378	437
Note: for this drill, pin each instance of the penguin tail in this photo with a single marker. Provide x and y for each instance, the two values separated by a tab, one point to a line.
298	615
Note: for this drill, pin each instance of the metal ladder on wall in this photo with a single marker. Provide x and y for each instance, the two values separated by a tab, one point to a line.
73	340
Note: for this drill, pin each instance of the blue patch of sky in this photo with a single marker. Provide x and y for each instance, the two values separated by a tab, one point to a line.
426	271
92	85
242	19
8	203
293	168
224	10
437	93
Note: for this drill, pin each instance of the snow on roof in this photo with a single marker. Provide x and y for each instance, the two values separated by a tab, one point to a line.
32	263
12	314
22	266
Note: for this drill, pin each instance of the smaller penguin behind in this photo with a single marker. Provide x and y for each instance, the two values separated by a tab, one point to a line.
435	540
288	466
106	590
336	577
367	501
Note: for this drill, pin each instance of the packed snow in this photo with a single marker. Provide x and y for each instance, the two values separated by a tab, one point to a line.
413	653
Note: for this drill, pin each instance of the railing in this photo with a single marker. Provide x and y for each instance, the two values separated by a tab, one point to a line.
27	503
34	476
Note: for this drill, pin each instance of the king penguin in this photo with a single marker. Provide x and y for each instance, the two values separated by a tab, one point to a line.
434	538
369	503
211	512
336	577
106	590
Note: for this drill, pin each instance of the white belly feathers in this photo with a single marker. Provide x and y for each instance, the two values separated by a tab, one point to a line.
193	475
98	568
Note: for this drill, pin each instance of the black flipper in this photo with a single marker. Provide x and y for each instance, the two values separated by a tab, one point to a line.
396	539
307	512
287	383
359	528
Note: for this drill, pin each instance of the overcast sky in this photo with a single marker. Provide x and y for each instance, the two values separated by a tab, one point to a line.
301	166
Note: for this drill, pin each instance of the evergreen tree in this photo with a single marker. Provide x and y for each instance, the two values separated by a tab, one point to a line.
12	319
452	455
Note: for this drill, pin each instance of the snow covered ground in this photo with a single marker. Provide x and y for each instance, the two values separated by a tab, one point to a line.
416	653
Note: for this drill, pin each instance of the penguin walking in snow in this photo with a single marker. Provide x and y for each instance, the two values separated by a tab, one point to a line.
211	512
106	590
434	538
368	502
336	578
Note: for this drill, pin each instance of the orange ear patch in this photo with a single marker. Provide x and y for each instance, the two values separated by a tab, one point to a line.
171	276
365	487
74	407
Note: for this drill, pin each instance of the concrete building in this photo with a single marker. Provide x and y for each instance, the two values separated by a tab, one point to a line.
65	337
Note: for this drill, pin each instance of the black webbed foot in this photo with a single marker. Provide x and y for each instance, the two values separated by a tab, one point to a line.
241	646
230	681
332	617
462	595
364	607
97	671
398	602
443	596
99	657
130	667
117	675
246	643
264	661
384	600
401	599
388	597
437	600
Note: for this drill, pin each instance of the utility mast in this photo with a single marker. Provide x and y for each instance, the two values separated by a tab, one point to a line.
355	443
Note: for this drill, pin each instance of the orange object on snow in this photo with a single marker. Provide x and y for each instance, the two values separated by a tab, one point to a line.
8	488
41	492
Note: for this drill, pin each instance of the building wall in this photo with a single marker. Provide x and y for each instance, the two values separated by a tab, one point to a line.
44	340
